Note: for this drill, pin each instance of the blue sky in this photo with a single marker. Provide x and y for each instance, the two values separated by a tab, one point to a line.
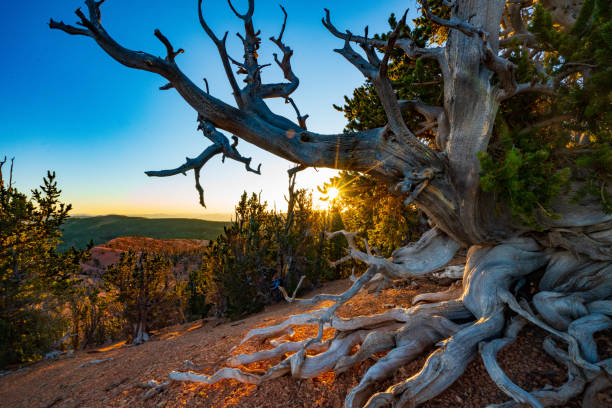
69	107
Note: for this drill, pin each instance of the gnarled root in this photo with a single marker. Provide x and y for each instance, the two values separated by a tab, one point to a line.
429	254
583	329
573	304
442	367
350	332
454	292
559	310
550	397
406	344
591	395
489	351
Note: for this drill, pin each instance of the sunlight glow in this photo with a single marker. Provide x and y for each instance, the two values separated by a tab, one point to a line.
333	193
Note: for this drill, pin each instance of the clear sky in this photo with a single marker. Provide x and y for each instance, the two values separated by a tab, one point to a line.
69	107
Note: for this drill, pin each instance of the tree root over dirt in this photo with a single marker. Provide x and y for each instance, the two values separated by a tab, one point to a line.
479	315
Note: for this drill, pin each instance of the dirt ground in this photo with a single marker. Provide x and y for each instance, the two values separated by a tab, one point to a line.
114	383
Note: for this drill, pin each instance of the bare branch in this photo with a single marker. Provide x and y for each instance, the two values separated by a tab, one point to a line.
68	28
292	171
339	299
228	150
433	251
194	164
92	362
171	54
284	292
568	69
375	150
251	41
405	44
520	33
430	113
382	265
376	73
248	14
222	53
153	387
133	59
220	145
301	119
365	67
530	87
190	164
426	126
286	89
502	67
2	164
456	24
526	39
282	31
384	64
547	122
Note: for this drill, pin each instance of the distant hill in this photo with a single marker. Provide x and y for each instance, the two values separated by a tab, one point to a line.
186	254
79	231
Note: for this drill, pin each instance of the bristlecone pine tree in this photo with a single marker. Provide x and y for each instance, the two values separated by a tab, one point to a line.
525	94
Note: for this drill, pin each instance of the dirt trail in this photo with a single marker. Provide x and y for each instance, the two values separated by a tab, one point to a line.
63	383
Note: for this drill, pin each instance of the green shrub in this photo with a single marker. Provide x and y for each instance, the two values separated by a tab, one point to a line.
238	268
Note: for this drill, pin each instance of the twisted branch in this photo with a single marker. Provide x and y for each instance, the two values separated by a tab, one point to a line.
221	145
222	50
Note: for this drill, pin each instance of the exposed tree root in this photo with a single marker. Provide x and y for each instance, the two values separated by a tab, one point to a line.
454	292
281	349
406	344
591	398
284	327
573	304
559	310
556	396
583	329
429	254
489	351
442	367
601	306
453	272
92	362
153	387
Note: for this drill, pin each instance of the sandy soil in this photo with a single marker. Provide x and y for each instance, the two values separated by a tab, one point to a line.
114	383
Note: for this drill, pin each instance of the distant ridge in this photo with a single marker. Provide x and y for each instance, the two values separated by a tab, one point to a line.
196	216
78	231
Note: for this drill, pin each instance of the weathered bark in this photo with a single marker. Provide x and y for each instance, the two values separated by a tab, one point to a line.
446	186
573	253
490	273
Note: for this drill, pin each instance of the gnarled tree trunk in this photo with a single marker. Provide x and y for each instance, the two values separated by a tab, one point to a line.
575	252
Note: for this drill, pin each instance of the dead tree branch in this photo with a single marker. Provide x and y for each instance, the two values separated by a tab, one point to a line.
220	145
253	121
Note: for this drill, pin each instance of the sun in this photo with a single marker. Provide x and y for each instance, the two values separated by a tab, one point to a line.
332	193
